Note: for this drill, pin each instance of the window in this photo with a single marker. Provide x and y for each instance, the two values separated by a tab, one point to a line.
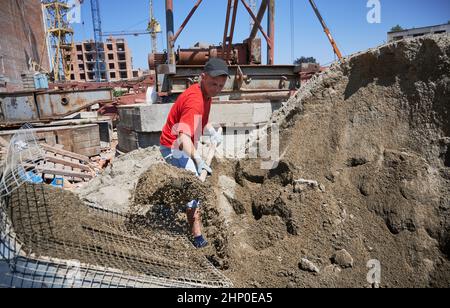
120	47
110	56
112	66
83	76
112	75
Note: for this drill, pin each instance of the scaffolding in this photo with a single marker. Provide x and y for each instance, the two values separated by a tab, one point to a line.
59	37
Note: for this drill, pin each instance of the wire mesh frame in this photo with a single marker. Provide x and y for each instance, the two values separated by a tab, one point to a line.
23	156
28	270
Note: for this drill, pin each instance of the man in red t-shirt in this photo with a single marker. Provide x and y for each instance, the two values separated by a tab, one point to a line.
188	120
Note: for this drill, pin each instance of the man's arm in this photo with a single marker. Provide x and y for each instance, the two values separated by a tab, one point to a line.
187	146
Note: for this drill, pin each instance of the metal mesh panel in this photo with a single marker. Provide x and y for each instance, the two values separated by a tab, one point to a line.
49	244
23	156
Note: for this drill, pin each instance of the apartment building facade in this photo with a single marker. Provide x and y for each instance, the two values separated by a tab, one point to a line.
114	52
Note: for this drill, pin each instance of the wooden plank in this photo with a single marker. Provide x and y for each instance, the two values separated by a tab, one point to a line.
65	153
49	129
64	173
67	162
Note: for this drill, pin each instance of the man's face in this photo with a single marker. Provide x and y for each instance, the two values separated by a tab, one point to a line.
213	85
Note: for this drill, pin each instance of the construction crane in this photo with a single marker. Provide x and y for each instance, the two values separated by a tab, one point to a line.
153	29
327	31
100	65
60	38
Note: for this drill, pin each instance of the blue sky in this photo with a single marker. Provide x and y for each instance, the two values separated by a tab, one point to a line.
347	20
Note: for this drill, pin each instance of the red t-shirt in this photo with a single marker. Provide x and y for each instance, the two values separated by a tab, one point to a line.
189	115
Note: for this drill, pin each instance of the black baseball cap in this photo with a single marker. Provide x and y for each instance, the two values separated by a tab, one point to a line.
216	67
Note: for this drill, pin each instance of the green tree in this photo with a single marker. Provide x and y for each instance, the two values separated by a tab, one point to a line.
302	60
397	28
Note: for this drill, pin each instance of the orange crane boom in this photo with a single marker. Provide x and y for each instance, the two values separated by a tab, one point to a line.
327	31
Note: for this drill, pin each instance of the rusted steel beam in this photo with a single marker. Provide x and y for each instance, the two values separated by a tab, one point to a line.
174	39
170	28
256	22
271	30
261	12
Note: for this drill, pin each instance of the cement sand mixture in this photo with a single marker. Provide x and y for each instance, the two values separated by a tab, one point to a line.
115	186
53	223
364	178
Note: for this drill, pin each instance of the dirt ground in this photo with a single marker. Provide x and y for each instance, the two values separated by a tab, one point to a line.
371	137
374	132
364	179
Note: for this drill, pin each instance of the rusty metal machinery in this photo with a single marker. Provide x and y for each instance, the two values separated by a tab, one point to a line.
246	53
177	69
246	82
42	106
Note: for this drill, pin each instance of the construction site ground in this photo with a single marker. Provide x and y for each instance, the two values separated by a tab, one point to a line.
364	175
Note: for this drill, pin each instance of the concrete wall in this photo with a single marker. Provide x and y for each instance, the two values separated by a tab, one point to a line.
140	126
22	38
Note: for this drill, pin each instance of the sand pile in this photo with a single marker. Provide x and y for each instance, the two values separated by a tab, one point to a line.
160	200
371	137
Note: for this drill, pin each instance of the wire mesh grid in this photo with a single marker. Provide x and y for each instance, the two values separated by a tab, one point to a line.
23	156
49	238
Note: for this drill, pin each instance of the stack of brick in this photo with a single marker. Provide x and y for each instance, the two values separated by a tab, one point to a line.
28	81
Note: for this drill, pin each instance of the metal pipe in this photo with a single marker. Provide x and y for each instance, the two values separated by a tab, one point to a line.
271	30
256	21
185	22
227	23
326	29
261	12
170	30
233	24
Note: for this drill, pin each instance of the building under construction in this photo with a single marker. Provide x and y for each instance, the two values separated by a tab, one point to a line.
114	52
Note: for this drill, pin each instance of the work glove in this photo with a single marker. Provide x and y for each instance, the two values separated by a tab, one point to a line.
202	165
216	136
